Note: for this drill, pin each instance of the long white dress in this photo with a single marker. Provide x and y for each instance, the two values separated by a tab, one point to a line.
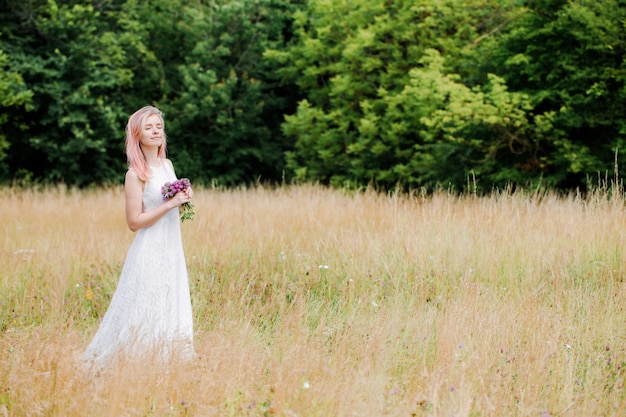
150	312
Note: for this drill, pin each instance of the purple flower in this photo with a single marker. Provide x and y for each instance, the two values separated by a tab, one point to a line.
170	189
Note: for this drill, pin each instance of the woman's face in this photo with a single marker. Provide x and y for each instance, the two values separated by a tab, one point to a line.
152	132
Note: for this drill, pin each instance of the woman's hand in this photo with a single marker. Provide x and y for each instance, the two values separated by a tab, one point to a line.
180	198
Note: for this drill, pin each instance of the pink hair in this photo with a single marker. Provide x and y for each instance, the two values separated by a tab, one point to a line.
134	154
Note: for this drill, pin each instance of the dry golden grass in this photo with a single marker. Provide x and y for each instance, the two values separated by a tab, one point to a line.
317	302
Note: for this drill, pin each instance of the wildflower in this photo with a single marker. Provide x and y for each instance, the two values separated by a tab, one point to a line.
306	385
26	253
89	294
170	189
323	266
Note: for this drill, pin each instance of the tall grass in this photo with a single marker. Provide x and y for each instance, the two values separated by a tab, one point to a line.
317	302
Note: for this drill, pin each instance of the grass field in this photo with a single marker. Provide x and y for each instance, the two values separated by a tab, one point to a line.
317	302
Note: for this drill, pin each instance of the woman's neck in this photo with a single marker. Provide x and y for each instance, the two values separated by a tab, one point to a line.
152	157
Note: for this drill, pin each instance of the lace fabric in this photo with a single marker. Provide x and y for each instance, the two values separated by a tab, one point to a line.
150	311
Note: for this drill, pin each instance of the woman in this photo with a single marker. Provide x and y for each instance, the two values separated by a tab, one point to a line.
150	312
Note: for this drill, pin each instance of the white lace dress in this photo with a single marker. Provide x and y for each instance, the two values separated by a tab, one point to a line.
150	312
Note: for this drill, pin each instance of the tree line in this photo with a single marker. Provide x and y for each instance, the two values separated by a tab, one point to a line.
409	93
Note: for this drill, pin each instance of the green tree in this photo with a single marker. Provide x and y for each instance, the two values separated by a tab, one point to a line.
569	58
368	113
222	102
88	65
72	61
484	131
14	95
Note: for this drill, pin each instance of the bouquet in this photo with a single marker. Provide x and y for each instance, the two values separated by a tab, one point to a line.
170	189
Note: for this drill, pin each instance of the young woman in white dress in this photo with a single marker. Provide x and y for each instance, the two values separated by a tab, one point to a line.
150	312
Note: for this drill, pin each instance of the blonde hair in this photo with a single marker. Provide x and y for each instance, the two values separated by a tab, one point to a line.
134	154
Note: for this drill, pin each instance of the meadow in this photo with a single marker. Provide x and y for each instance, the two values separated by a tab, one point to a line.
310	301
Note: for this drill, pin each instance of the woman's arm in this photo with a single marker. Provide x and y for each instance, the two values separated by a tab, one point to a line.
135	218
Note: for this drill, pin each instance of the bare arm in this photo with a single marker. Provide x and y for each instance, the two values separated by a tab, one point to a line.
135	218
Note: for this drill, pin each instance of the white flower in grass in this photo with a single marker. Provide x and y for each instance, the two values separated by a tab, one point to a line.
26	253
323	266
306	385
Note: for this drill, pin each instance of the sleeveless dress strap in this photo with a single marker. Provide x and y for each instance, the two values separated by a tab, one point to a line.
168	168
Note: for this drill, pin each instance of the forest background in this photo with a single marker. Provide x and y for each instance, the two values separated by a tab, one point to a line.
420	93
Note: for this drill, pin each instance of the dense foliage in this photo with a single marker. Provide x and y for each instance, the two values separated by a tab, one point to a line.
437	92
419	93
73	71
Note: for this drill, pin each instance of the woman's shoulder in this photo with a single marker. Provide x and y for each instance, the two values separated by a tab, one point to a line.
169	165
168	162
132	180
132	175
